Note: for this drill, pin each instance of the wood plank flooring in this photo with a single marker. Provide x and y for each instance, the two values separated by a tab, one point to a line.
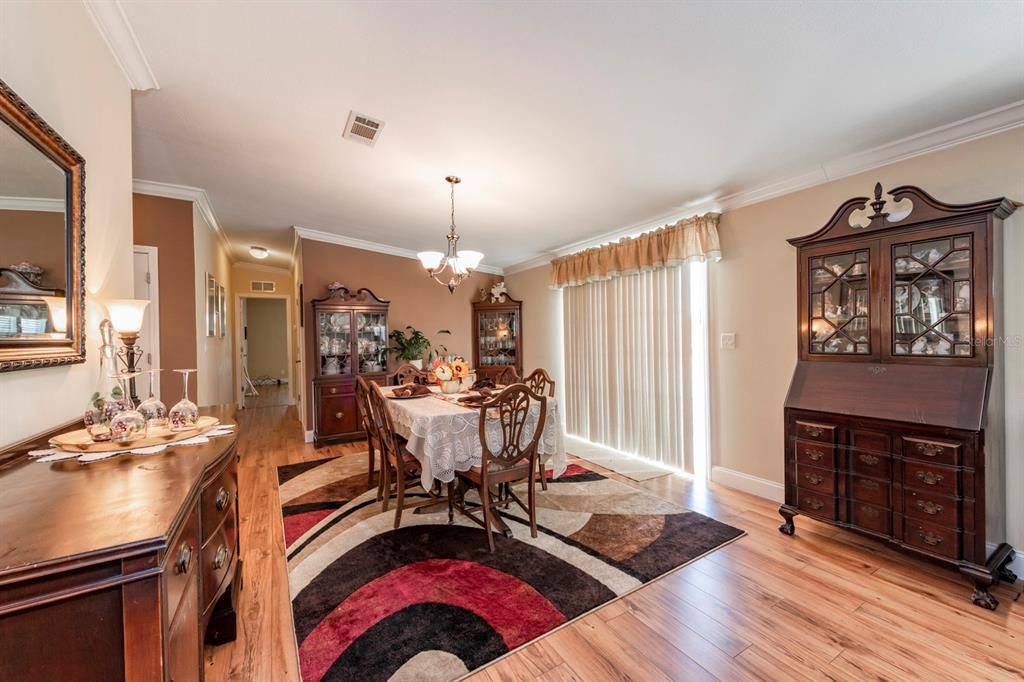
825	604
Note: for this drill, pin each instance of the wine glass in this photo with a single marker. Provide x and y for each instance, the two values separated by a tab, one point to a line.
128	424
152	408
185	413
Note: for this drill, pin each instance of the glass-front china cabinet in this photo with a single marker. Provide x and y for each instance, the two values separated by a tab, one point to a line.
887	411
497	335
352	339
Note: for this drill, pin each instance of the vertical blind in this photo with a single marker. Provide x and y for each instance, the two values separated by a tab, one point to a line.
628	364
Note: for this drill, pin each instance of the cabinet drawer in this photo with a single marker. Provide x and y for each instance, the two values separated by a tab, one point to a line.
871	464
932	508
932	538
823	433
930	477
338	415
218	557
331	390
940	452
218	499
870	441
816	504
181	561
818	480
871	517
869	490
816	454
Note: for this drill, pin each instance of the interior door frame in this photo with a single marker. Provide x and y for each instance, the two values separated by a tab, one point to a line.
241	339
153	255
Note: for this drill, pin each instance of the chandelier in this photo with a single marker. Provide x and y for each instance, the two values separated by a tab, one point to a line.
459	264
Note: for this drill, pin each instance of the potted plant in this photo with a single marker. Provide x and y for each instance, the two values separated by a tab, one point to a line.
409	348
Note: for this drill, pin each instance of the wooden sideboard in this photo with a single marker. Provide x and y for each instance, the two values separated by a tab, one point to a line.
121	569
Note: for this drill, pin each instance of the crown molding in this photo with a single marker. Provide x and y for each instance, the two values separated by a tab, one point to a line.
32	204
543	259
118	34
972	128
199	198
352	242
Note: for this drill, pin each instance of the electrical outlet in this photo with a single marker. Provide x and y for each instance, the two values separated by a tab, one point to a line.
728	340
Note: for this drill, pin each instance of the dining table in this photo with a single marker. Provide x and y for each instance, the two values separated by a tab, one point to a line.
444	435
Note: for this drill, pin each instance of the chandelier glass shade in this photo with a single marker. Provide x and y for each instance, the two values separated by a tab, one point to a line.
452	267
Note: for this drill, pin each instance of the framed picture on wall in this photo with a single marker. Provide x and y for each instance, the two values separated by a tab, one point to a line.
222	312
211	305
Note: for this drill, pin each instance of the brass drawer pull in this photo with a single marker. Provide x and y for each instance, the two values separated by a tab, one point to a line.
814	479
929	449
334	390
184	560
815	504
869	511
869	484
339	415
813	431
222	499
815	455
221	557
870	460
930	477
930	538
930	507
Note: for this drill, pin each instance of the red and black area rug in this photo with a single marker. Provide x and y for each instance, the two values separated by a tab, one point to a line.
429	602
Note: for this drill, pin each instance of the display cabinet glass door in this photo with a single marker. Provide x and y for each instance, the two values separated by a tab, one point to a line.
932	295
335	342
839	303
498	334
372	341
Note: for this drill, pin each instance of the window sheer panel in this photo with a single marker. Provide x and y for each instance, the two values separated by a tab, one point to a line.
627	364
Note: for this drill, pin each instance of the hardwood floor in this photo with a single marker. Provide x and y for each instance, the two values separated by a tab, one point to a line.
858	610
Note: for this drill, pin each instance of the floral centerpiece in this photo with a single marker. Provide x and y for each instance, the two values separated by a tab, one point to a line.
450	373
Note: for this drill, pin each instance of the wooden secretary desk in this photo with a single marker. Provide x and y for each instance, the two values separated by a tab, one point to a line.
886	413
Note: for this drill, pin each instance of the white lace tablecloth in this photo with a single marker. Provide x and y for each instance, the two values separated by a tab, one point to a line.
445	437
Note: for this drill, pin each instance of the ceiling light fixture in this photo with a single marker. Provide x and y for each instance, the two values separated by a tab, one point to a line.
259	252
461	264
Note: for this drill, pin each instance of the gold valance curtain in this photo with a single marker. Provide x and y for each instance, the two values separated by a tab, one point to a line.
673	245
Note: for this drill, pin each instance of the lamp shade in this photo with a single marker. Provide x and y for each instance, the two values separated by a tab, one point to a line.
430	259
470	259
58	306
126	314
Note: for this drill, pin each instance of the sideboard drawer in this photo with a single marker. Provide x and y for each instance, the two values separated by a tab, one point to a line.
182	558
218	499
932	508
869	490
823	433
932	538
930	477
870	517
816	454
871	464
939	452
818	480
218	554
816	504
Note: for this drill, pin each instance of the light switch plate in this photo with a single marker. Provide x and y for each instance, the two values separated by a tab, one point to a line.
728	340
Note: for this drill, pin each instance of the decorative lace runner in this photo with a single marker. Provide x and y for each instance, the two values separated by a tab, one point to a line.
56	455
445	436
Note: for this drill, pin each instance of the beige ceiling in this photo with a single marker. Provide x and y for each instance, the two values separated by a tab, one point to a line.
565	120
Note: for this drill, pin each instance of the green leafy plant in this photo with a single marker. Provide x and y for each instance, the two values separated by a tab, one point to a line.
411	347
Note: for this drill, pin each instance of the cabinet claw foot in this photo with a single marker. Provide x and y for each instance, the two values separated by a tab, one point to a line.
984	599
787	528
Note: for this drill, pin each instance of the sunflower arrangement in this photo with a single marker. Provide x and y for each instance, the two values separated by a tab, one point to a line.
450	370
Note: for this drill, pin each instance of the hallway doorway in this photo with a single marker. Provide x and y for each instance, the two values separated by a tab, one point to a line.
264	376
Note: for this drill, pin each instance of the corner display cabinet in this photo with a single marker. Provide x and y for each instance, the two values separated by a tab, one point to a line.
352	339
886	413
497	336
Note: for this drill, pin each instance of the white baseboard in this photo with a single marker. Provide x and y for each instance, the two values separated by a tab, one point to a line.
1017	565
309	436
738	480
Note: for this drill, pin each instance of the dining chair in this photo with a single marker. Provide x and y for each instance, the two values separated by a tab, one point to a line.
399	468
369	425
508	376
513	461
407	373
541	382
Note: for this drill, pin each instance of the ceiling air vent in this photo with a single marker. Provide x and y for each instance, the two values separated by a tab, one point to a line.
262	287
362	128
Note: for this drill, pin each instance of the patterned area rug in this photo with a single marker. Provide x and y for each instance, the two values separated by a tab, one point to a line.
429	602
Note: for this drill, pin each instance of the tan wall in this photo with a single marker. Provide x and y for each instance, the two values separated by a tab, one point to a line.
542	324
167	225
39	237
52	55
415	299
214	354
266	319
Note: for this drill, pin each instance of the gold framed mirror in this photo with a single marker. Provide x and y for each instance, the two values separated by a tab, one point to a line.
42	241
